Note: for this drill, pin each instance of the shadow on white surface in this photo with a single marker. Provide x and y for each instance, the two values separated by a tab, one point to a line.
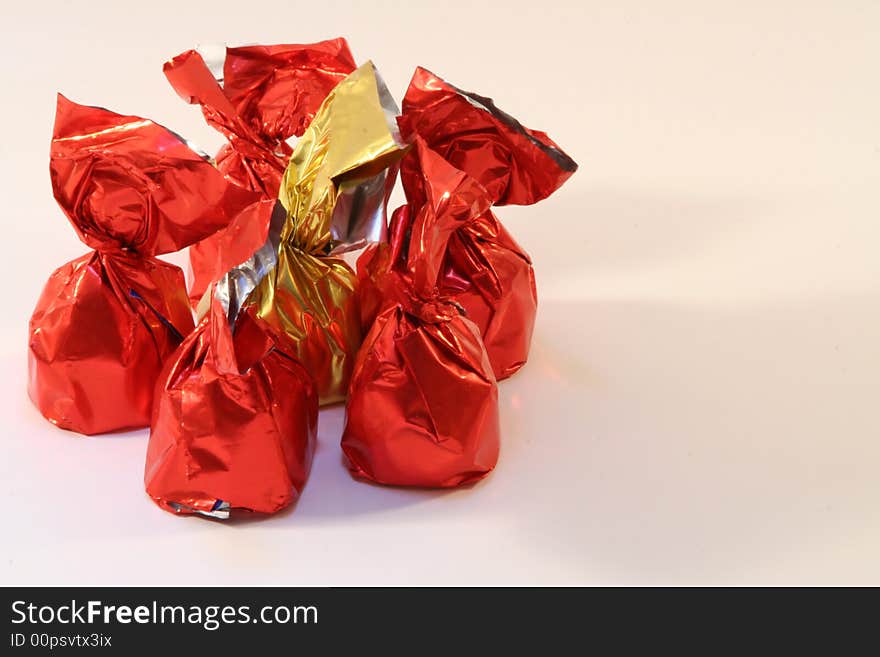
700	443
707	417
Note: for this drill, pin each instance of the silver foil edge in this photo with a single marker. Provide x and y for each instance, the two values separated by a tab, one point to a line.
361	212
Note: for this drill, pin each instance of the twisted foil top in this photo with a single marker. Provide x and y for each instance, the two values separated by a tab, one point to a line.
353	137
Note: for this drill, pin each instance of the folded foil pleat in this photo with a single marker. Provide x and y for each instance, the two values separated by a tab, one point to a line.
105	322
441	304
267	94
349	151
423	402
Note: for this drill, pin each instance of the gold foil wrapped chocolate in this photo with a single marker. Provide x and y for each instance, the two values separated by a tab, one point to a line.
334	193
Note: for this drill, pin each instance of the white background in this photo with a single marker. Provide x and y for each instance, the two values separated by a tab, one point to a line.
701	405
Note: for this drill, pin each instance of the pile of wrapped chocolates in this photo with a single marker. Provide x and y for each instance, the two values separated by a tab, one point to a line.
229	374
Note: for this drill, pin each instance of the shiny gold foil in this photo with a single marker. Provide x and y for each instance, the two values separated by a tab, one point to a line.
310	296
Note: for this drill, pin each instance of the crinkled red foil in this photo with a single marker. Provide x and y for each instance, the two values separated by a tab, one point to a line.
487	272
105	322
516	165
485	269
269	94
491	276
234	425
423	401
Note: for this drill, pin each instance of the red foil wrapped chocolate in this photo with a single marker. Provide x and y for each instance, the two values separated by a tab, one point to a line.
423	401
268	94
234	425
485	269
105	322
516	165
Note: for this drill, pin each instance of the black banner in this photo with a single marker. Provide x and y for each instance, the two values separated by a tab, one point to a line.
250	620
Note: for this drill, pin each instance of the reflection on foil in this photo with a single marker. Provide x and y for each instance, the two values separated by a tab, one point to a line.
236	286
360	215
214	55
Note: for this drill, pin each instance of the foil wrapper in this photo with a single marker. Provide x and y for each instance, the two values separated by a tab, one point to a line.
258	97
487	272
516	165
334	193
234	425
105	322
235	419
492	277
423	404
